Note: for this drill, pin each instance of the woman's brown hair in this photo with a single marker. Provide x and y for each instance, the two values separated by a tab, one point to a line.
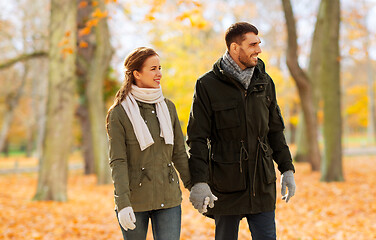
133	62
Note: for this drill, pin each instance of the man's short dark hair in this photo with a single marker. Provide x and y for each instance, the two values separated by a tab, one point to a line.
236	32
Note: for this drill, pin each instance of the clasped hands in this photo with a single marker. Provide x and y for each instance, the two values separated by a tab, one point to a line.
201	196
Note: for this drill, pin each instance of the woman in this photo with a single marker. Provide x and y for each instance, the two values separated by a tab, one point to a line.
146	145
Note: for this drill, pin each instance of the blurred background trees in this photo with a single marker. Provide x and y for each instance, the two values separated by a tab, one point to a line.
188	35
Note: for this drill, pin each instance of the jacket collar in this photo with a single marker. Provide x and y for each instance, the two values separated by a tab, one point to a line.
259	75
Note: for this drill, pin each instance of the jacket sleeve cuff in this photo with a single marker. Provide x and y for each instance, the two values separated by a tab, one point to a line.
122	202
286	167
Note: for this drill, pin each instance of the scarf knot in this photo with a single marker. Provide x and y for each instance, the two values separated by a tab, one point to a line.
150	96
231	67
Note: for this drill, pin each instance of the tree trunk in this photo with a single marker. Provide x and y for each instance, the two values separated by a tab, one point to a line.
38	105
11	104
83	59
94	63
331	169
53	169
301	154
304	89
87	146
6	148
371	130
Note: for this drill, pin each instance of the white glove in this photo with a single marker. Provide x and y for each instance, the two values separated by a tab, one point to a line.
127	218
287	180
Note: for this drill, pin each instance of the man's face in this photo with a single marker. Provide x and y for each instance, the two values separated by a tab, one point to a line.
248	50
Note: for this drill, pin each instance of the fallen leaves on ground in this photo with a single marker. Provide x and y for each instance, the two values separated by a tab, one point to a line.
339	211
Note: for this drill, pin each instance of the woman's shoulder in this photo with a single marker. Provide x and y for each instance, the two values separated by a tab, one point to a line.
170	104
117	110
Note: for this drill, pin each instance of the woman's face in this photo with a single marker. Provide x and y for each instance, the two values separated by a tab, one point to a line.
150	74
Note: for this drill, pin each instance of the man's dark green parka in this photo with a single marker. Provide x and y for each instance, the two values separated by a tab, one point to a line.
234	134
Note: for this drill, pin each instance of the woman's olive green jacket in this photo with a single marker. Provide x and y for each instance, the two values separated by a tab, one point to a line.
146	180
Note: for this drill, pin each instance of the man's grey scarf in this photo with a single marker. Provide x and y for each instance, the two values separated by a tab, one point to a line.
232	68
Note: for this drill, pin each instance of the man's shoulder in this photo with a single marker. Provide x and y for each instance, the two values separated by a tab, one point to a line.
206	76
261	65
208	79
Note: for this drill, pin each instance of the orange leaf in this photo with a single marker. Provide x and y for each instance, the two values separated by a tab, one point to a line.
63	42
67	33
92	22
82	4
83	44
84	31
99	14
67	51
94	3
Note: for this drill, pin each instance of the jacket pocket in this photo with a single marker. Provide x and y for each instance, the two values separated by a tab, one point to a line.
139	184
268	166
226	114
226	175
173	192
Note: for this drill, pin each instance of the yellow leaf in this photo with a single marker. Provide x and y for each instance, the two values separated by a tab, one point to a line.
149	17
353	51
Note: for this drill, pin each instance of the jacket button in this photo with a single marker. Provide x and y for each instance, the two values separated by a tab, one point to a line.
152	111
142	169
172	179
169	164
162	205
146	121
140	184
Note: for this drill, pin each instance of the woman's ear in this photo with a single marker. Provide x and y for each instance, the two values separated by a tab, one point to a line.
136	74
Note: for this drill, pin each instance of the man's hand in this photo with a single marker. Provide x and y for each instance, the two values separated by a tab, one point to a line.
127	218
201	197
287	180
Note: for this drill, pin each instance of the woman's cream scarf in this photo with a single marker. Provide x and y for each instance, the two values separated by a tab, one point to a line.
148	95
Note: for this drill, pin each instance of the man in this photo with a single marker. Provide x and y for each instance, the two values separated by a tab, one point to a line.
235	130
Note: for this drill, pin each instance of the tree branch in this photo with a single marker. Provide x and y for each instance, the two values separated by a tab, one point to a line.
22	57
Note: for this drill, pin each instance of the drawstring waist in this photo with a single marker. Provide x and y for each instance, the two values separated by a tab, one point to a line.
264	148
242	150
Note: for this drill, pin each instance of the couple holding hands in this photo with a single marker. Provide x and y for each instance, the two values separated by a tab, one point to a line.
235	131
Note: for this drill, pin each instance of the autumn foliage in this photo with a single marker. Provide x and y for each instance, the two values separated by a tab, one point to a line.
337	211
